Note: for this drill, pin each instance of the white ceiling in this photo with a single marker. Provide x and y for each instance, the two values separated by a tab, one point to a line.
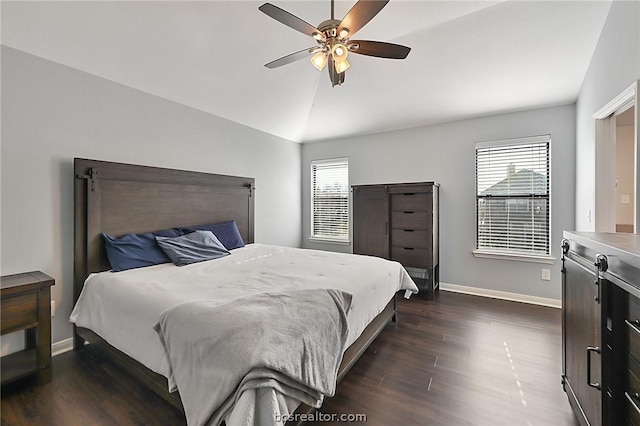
468	58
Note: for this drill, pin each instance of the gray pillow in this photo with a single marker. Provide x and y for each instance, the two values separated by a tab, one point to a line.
191	248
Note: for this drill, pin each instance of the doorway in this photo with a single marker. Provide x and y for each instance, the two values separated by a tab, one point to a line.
625	165
617	192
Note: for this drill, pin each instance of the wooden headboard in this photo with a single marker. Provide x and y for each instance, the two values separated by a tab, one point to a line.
119	199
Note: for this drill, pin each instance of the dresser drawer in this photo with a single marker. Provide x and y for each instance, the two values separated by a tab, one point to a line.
632	394
410	219
632	373
18	312
411	201
633	332
410	238
410	256
633	409
634	308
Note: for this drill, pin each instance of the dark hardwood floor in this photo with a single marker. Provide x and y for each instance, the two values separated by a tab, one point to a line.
456	360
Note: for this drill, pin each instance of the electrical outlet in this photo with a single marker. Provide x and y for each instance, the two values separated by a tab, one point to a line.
545	274
53	308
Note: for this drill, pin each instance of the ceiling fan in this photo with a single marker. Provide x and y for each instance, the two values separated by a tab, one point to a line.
333	38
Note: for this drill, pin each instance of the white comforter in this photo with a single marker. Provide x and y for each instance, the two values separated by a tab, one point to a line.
123	307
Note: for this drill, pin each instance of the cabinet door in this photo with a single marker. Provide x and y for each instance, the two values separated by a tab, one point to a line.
371	221
581	320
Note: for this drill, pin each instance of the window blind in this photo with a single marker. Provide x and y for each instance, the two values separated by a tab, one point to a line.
512	196
330	199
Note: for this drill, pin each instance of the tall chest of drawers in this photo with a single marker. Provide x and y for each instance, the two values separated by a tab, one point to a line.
400	222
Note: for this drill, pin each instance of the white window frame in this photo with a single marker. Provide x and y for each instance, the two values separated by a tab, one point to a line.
326	238
505	254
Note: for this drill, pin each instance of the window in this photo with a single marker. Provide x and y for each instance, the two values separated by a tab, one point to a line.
330	199
512	197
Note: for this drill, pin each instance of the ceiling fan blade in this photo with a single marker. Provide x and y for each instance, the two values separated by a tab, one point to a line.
335	77
288	19
361	13
379	49
292	57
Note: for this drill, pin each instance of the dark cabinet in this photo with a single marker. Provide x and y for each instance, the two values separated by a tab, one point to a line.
582	352
632	362
400	222
370	226
601	327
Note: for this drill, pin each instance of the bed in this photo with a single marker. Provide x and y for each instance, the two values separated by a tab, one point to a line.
120	199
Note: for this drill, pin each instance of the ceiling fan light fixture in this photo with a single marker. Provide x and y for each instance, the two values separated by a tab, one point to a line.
342	65
339	52
332	37
319	60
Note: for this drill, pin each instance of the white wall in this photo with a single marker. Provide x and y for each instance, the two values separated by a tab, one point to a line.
52	113
615	65
445	153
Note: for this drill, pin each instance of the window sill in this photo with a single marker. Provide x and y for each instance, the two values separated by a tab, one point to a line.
515	256
329	241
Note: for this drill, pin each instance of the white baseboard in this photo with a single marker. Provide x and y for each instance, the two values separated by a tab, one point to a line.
504	295
62	346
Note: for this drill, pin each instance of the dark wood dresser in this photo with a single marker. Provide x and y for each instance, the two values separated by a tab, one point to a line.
400	222
601	327
26	306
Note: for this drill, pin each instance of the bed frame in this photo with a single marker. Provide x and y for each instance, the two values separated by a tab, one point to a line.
118	199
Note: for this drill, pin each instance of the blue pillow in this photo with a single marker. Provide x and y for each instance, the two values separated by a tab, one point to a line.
191	248
136	250
226	232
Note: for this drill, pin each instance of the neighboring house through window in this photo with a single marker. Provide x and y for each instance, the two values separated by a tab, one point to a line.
512	198
330	200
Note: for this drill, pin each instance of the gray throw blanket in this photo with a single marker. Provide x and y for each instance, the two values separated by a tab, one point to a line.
292	341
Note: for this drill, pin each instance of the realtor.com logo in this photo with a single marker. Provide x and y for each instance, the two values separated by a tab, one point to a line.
318	416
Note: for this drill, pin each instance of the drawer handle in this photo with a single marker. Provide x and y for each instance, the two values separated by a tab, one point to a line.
408	212
591	349
633	325
408	230
408	248
631	400
409	193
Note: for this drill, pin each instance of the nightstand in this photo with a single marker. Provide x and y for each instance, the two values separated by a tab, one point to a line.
26	306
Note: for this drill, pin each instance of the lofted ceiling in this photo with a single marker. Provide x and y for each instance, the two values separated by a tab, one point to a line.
468	58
